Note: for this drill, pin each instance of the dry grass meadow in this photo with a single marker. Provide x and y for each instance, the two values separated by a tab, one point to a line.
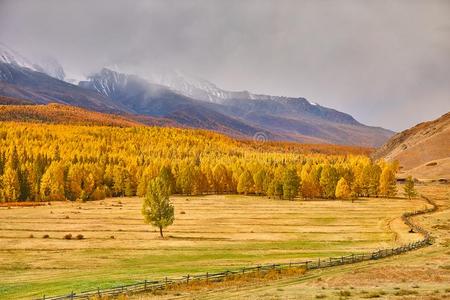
211	233
423	274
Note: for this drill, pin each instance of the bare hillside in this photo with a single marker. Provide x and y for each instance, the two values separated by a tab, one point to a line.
422	150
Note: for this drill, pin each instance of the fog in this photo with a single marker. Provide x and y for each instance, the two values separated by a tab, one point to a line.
387	63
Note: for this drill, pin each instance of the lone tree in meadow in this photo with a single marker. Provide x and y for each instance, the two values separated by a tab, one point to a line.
409	189
157	209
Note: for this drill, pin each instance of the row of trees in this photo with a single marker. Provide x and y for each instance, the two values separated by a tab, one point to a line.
57	162
321	180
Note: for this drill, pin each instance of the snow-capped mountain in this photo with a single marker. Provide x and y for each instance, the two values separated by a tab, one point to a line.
184	100
47	65
202	89
200	103
106	82
51	67
10	56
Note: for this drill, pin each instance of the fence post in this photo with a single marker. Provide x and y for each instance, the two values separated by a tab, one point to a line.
187	279
71	295
165	281
207	277
243	270
98	292
145	284
318	263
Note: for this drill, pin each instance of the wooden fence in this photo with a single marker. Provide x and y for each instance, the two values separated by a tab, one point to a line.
153	285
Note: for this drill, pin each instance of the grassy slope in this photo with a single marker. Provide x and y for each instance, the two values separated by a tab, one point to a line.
215	233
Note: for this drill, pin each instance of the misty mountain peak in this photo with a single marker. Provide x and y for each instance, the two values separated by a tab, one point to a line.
45	64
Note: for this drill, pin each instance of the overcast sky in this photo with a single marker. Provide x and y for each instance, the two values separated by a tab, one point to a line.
385	62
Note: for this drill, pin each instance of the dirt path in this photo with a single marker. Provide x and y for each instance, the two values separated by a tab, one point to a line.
402	232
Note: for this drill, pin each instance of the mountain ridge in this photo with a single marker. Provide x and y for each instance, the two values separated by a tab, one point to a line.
240	114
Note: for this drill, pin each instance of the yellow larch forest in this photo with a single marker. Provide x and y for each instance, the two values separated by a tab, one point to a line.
46	162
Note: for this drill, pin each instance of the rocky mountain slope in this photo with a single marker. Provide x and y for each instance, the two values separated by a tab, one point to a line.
284	118
186	102
423	151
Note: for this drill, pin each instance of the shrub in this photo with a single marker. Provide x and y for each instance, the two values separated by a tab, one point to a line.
31	236
112	237
45	236
372	295
80	237
68	236
182	212
67	217
405	293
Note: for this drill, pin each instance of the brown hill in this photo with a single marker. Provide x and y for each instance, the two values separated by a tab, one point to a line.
423	151
63	114
14	101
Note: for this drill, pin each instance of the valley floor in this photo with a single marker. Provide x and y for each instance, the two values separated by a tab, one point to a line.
421	274
211	233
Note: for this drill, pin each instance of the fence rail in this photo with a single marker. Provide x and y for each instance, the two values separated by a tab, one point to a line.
153	285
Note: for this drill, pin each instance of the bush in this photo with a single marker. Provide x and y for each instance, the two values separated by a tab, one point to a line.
112	237
45	236
405	293
68	236
182	212
31	236
80	237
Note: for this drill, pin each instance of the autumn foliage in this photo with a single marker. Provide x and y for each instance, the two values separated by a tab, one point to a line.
49	162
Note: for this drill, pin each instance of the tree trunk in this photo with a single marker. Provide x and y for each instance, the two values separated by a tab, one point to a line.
161	232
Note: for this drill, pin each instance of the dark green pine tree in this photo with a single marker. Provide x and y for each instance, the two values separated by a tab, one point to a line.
24	185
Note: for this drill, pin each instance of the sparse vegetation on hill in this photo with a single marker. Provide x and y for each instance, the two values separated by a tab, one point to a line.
61	114
423	151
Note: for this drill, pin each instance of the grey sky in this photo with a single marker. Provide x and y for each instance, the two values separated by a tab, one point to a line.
385	62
